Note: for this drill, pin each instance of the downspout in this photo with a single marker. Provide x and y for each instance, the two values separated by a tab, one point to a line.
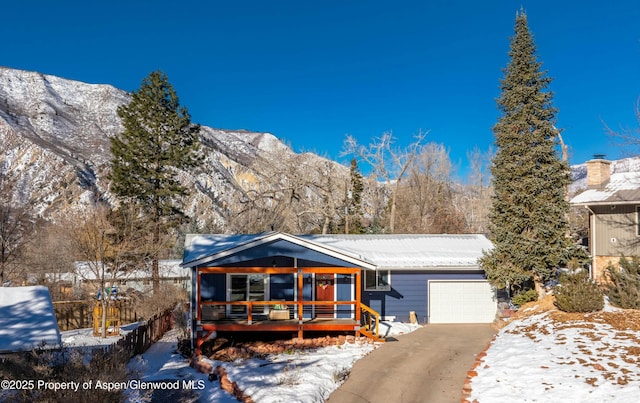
593	243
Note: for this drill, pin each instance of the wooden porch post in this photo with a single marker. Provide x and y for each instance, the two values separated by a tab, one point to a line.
300	299
197	322
358	286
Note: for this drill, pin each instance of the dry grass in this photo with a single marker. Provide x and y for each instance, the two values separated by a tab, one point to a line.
622	319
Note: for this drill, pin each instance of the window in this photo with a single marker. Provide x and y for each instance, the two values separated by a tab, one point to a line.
637	220
247	287
377	280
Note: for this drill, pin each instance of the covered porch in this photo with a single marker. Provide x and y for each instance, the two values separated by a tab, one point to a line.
278	283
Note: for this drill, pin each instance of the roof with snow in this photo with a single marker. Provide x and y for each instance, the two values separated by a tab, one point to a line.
169	268
400	252
622	188
28	319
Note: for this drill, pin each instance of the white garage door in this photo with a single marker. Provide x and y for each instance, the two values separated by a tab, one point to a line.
461	302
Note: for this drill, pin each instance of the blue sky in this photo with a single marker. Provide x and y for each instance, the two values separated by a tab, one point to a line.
312	72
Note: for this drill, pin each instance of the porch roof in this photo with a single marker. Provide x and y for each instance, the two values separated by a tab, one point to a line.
393	251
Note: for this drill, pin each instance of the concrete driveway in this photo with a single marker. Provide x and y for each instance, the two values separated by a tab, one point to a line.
427	365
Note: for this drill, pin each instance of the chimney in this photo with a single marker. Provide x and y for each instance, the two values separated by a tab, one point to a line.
598	171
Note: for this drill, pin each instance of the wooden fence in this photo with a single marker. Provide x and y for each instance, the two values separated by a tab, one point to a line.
73	315
141	338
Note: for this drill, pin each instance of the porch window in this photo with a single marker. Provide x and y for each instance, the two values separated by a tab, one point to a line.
377	280
247	287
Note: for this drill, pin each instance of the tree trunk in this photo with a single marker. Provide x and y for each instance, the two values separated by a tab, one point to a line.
155	274
103	321
539	286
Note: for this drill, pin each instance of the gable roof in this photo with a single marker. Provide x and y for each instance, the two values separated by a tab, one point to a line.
28	319
622	188
407	252
201	249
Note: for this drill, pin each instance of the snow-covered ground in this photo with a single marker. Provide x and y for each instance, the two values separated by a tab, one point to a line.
305	376
554	358
537	358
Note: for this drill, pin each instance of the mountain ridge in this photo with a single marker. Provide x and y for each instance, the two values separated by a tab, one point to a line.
56	148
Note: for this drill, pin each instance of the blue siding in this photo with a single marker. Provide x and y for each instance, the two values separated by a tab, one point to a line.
409	292
343	293
282	287
307	294
213	287
279	249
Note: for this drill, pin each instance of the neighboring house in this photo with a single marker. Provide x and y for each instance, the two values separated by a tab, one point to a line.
333	282
613	203
27	319
85	279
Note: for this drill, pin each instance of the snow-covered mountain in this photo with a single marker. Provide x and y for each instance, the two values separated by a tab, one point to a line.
55	150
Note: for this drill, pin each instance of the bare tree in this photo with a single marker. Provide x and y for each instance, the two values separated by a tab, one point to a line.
329	188
475	198
102	247
426	198
49	259
388	162
298	193
16	227
627	138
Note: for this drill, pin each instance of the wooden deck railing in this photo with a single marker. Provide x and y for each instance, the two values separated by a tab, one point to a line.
261	311
217	310
370	321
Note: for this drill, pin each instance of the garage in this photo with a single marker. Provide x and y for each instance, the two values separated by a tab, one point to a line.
461	301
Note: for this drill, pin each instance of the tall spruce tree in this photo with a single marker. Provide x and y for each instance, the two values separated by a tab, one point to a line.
353	201
528	216
158	140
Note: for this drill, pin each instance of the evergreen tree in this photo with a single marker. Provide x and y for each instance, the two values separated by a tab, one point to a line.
622	284
158	140
353	200
528	216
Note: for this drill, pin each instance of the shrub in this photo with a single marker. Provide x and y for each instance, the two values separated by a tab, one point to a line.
623	284
64	366
523	297
577	293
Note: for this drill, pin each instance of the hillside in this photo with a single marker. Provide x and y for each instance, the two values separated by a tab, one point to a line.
55	154
55	159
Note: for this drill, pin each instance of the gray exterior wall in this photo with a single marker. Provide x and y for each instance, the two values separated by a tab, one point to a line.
409	292
616	231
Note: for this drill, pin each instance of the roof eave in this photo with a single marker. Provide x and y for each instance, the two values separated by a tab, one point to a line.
604	203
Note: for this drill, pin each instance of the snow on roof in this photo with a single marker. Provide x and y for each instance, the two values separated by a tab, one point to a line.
200	248
28	319
622	188
384	251
166	269
411	251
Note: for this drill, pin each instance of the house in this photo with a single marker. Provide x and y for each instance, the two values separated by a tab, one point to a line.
613	203
279	282
28	320
84	279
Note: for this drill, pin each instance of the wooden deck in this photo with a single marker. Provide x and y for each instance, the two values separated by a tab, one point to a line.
258	324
